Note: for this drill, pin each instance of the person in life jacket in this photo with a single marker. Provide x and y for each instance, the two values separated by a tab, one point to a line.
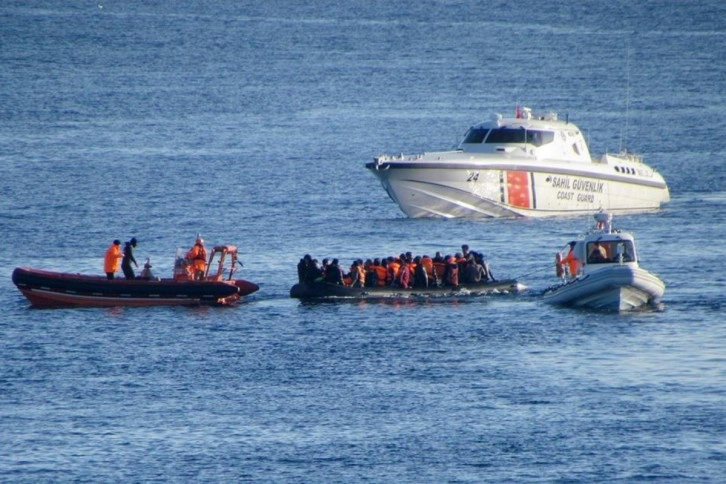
460	262
570	261
428	264
439	269
197	257
404	274
112	259
451	272
357	274
393	267
370	273
381	269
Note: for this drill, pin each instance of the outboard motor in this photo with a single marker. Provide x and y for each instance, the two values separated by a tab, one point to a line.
146	271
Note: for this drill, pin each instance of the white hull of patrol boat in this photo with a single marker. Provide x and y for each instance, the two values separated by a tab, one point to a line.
485	188
519	167
616	288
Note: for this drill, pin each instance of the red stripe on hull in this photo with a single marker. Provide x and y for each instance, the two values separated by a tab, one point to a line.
518	189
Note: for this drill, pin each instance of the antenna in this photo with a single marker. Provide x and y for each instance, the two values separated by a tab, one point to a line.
627	102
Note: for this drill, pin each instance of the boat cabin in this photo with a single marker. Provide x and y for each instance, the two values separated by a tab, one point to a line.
606	251
604	246
528	135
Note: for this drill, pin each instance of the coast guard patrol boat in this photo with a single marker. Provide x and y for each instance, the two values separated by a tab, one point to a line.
525	166
609	276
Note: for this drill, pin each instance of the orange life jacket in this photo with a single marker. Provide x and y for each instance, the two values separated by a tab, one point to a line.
439	267
573	264
381	275
112	260
393	268
428	264
198	256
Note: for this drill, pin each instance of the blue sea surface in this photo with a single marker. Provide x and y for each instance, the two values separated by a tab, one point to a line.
250	123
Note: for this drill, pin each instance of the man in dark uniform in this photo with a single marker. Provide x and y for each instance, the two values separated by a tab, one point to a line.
129	258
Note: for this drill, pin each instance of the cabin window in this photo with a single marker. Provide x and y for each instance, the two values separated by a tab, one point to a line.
520	135
475	135
506	135
610	251
545	137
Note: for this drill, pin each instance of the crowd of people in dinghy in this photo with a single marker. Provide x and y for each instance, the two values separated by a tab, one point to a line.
404	271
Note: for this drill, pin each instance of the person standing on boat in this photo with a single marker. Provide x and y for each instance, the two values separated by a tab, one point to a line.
304	268
129	258
197	257
112	260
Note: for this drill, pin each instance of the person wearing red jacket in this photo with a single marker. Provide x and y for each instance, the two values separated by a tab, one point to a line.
197	257
112	260
572	262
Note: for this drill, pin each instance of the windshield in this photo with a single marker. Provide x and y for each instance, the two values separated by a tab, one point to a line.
520	135
610	251
475	135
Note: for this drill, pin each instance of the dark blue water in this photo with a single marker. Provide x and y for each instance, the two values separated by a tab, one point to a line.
250	122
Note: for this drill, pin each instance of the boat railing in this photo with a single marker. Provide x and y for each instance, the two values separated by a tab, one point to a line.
623	155
399	157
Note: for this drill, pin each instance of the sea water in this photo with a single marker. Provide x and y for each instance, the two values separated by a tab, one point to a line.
250	123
